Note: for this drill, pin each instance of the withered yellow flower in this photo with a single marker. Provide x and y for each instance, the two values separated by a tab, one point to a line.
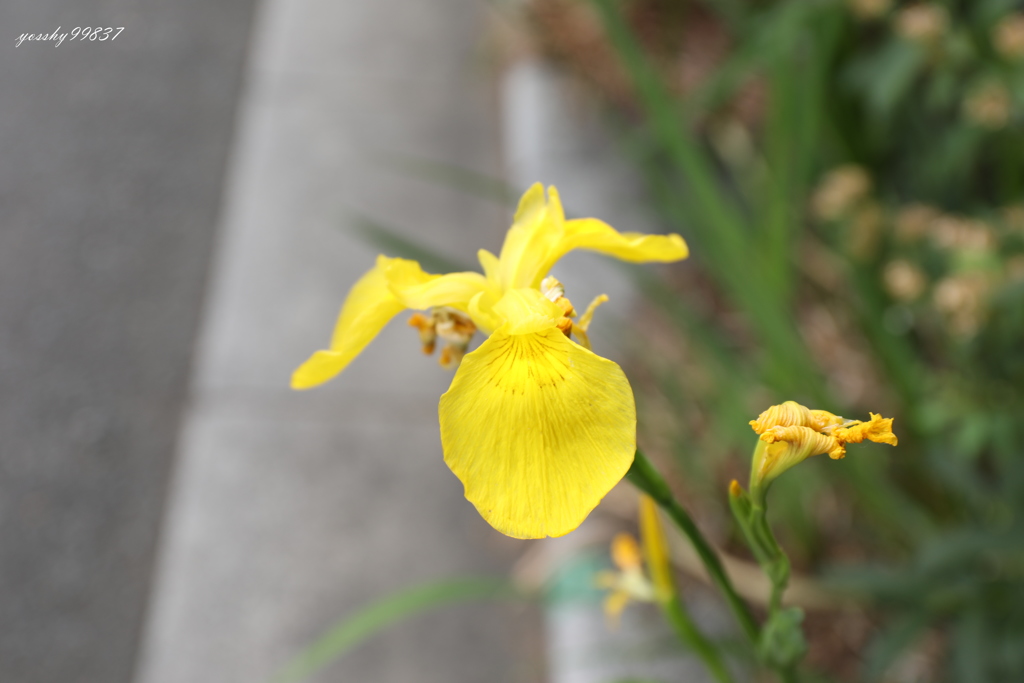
790	433
630	583
536	426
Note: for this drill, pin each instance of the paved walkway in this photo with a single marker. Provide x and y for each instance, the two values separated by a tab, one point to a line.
291	509
110	183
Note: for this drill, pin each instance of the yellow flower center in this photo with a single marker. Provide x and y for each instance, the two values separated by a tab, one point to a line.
553	290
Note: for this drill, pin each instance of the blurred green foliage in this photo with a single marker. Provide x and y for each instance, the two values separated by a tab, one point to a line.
859	243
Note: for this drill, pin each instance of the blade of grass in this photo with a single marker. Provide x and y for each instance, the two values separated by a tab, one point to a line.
390	240
378	615
457	177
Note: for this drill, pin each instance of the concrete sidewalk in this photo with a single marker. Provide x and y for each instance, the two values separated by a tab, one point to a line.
289	510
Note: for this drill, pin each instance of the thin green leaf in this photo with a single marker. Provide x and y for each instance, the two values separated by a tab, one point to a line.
375	617
395	244
458	177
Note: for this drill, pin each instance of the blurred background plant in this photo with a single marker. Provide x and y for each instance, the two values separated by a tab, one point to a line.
850	178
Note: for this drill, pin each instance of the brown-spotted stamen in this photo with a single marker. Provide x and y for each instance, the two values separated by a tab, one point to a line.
425	326
452	326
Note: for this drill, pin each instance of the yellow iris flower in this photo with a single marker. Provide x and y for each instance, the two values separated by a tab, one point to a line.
536	426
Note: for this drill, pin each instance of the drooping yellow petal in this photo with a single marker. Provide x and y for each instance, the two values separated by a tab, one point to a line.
420	290
393	285
538	429
877	429
595	235
369	306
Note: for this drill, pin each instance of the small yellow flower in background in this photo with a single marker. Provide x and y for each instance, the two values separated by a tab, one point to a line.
1013	217
630	583
1008	37
904	280
913	222
841	190
989	106
961	298
869	9
958	233
536	426
790	433
924	23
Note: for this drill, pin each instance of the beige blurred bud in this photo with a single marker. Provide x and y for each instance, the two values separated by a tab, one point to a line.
954	233
839	191
914	221
1015	267
924	23
1013	217
866	230
904	281
960	297
989	106
1008	37
869	9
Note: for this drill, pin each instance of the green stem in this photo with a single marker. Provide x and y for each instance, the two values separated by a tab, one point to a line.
643	475
687	631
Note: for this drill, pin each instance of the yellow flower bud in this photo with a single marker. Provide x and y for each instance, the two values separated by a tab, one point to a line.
840	190
869	9
790	433
989	106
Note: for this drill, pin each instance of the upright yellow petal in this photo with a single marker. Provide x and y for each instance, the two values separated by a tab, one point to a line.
369	306
536	229
538	429
492	267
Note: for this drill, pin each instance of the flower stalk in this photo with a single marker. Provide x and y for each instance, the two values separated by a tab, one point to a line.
645	477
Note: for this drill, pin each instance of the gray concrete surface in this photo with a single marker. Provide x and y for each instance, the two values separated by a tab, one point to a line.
110	182
290	509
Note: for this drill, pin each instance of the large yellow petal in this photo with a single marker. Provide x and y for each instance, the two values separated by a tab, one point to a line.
538	429
368	307
594	235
